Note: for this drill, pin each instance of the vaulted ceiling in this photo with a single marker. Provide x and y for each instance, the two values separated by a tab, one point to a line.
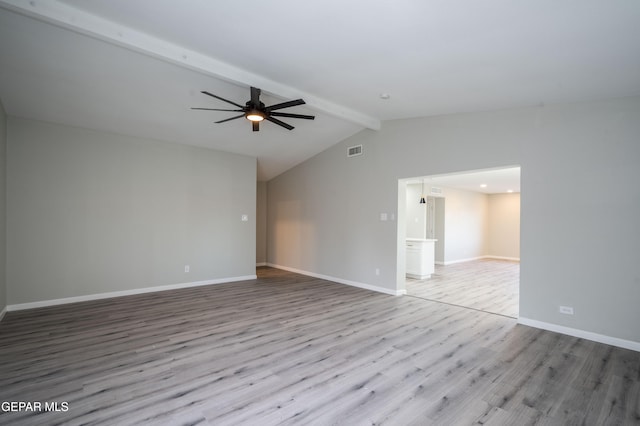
136	67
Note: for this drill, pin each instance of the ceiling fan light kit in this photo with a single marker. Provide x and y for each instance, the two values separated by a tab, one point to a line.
255	111
254	116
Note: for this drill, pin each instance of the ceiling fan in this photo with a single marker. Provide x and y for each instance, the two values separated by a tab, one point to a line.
255	110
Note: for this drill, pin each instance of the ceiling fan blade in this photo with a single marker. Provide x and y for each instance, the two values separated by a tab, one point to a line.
222	99
255	96
285	105
229	119
216	109
279	123
256	126
285	114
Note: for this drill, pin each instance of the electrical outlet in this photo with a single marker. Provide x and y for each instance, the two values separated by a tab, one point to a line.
567	310
244	218
187	268
377	271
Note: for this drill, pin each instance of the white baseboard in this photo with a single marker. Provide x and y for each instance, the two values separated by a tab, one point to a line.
471	259
341	281
4	311
514	259
89	297
600	338
261	264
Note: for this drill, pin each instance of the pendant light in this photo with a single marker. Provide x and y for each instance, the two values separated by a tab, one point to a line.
422	200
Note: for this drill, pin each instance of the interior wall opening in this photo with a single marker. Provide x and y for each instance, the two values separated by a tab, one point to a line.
459	239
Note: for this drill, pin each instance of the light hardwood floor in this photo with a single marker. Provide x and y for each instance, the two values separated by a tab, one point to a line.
290	349
487	284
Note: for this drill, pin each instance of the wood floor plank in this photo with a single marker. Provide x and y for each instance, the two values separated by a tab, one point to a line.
488	285
287	349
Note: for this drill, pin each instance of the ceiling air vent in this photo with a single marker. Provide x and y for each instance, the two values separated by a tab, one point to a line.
437	191
352	151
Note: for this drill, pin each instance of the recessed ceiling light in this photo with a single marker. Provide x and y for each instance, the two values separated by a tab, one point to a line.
484	185
384	96
509	190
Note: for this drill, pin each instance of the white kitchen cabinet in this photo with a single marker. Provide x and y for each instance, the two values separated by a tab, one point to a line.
420	258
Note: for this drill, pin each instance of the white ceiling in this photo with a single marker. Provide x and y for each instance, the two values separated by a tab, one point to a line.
497	181
135	67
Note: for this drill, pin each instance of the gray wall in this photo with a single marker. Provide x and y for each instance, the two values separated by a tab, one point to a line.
3	207
261	223
477	224
504	225
466	222
92	212
579	209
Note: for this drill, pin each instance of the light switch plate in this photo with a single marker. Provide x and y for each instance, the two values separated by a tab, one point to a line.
244	218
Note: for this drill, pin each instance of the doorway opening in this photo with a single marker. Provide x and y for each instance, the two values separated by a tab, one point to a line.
467	235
